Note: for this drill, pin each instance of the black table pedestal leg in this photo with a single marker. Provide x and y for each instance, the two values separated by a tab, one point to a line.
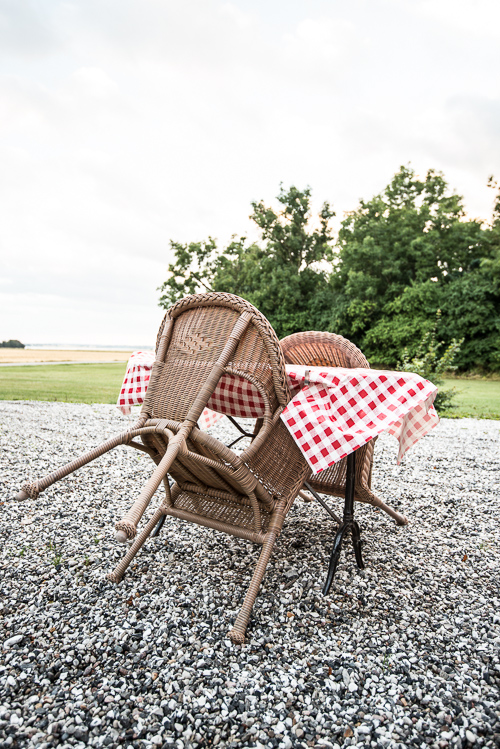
335	556
347	525
356	542
159	526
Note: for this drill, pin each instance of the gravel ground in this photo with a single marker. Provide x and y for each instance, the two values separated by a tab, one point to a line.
402	654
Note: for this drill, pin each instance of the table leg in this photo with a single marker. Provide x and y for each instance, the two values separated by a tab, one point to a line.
348	525
159	526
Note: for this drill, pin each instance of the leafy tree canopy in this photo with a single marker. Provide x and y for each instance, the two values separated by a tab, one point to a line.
412	232
398	259
491	263
281	275
12	343
403	255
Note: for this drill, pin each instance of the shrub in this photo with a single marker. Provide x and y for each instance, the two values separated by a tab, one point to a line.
428	363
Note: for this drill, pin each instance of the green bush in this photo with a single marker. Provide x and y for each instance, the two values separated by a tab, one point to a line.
428	363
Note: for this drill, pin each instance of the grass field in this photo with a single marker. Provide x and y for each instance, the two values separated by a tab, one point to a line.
476	398
74	383
100	383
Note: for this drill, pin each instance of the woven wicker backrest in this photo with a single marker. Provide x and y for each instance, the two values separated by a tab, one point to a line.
318	349
199	327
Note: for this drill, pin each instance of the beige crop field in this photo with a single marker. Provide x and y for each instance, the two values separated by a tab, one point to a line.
30	356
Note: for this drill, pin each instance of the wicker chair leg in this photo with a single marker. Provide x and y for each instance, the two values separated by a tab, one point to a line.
159	526
126	528
117	575
237	634
400	519
33	489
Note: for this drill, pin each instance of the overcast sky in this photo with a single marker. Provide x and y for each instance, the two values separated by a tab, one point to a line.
127	123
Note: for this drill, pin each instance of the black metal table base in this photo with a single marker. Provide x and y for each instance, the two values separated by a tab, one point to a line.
347	526
159	526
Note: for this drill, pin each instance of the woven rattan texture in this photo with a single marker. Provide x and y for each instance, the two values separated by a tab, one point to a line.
320	349
185	469
223	511
248	350
198	338
280	467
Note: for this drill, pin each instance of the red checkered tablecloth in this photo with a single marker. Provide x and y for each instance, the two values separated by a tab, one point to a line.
136	380
233	396
333	411
342	409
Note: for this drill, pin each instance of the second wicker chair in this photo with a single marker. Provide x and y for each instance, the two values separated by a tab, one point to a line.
317	349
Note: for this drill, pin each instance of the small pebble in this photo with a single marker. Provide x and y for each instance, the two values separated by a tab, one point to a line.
13	641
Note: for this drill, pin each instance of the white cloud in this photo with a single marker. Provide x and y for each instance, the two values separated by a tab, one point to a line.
480	18
323	41
26	29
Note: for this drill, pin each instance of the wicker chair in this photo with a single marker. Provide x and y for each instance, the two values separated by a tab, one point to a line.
318	349
202	338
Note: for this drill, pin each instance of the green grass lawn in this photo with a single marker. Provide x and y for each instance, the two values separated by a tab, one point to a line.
74	383
477	398
100	383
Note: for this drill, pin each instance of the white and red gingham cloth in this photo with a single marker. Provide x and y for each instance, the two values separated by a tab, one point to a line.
233	396
333	410
342	409
136	380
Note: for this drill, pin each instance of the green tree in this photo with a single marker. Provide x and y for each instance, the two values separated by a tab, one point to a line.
404	254
471	311
403	324
284	275
400	257
491	264
12	343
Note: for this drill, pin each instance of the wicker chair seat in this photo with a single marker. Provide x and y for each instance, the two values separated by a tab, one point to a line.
237	518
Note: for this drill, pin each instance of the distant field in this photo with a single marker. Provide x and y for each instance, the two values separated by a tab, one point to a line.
26	356
100	383
73	383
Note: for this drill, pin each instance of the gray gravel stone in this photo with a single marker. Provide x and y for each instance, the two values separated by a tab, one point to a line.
402	654
13	641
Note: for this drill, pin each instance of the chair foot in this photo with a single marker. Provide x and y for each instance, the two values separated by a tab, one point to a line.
113	577
236	636
124	531
394	514
121	567
129	523
29	490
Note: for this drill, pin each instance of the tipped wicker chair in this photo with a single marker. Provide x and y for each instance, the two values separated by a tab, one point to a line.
318	349
203	338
